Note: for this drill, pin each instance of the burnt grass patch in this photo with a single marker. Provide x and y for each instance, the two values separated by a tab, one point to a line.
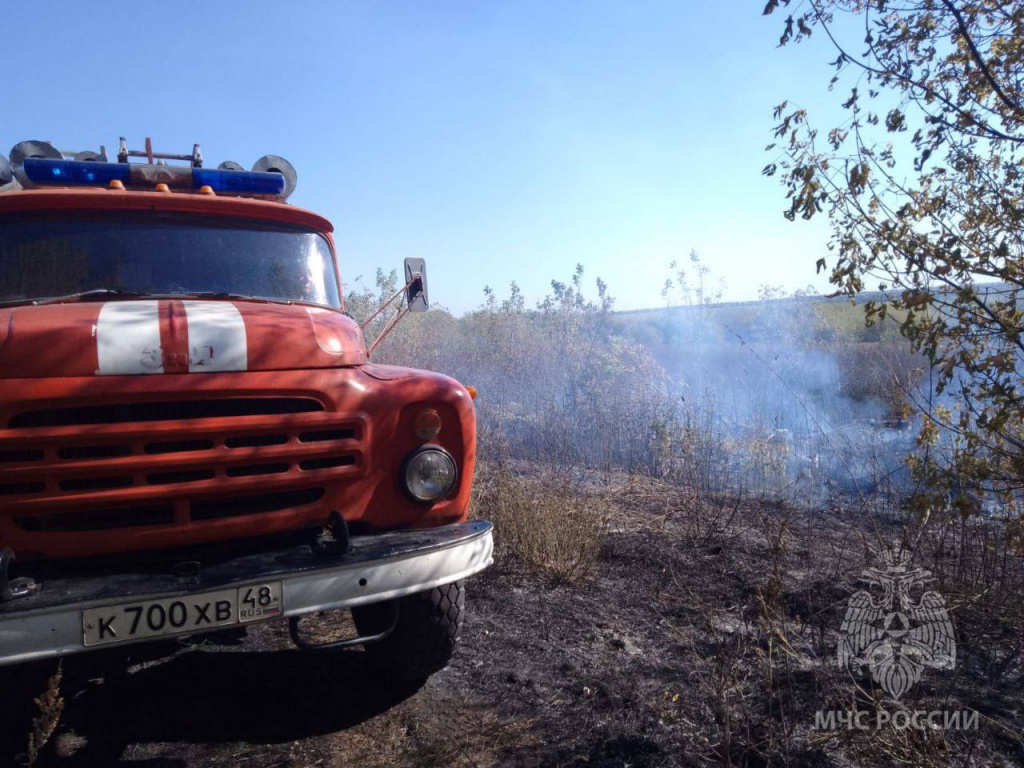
682	646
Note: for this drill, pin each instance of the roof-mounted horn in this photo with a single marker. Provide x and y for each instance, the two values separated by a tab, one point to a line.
275	164
32	148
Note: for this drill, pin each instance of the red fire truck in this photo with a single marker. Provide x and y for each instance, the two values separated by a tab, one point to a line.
193	436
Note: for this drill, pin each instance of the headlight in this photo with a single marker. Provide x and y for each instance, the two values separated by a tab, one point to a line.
429	474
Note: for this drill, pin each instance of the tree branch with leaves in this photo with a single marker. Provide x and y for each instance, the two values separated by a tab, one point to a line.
923	182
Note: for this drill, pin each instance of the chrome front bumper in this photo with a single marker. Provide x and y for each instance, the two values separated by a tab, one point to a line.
375	568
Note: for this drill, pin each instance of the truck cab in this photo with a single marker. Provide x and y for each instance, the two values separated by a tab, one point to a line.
193	436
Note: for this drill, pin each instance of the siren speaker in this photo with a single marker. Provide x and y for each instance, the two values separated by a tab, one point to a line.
275	164
230	165
6	174
88	156
20	151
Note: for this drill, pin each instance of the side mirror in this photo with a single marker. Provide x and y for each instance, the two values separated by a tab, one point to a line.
416	278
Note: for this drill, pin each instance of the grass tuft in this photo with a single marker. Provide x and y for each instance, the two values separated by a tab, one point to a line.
556	525
44	725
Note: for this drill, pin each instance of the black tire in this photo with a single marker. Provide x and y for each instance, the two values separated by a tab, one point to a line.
423	641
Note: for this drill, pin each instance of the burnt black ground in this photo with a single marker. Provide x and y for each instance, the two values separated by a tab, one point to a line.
659	660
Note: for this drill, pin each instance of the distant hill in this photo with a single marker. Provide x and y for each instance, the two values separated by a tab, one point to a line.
864	297
804	320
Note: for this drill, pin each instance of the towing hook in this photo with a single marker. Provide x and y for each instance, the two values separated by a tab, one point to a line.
333	539
12	589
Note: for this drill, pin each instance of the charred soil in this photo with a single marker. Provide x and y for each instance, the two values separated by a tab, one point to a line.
688	643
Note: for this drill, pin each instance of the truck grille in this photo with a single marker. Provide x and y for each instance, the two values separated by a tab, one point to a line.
99	519
126	413
163	514
145	464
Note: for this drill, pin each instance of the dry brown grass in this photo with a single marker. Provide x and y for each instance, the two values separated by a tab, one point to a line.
465	734
555	524
51	705
474	736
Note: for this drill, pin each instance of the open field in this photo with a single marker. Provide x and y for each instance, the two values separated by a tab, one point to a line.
683	503
775	533
704	633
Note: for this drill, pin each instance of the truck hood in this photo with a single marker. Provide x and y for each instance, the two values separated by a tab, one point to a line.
118	338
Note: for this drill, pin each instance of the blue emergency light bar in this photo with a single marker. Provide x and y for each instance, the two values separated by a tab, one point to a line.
71	172
84	173
239	182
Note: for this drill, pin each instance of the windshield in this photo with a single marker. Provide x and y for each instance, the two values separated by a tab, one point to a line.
53	256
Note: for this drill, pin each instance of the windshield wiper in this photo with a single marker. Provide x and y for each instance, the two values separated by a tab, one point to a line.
244	297
96	294
219	295
114	294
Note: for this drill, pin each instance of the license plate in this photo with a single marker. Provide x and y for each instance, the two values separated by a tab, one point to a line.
182	615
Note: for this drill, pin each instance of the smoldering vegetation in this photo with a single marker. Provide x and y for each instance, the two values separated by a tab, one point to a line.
791	398
701	486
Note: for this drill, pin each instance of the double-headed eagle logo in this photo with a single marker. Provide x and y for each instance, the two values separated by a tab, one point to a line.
896	627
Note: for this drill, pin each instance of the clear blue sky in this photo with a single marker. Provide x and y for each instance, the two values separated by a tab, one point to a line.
499	140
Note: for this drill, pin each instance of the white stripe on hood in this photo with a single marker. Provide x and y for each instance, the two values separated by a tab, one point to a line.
128	338
216	337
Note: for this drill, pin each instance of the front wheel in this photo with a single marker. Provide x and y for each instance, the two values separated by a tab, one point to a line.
423	640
